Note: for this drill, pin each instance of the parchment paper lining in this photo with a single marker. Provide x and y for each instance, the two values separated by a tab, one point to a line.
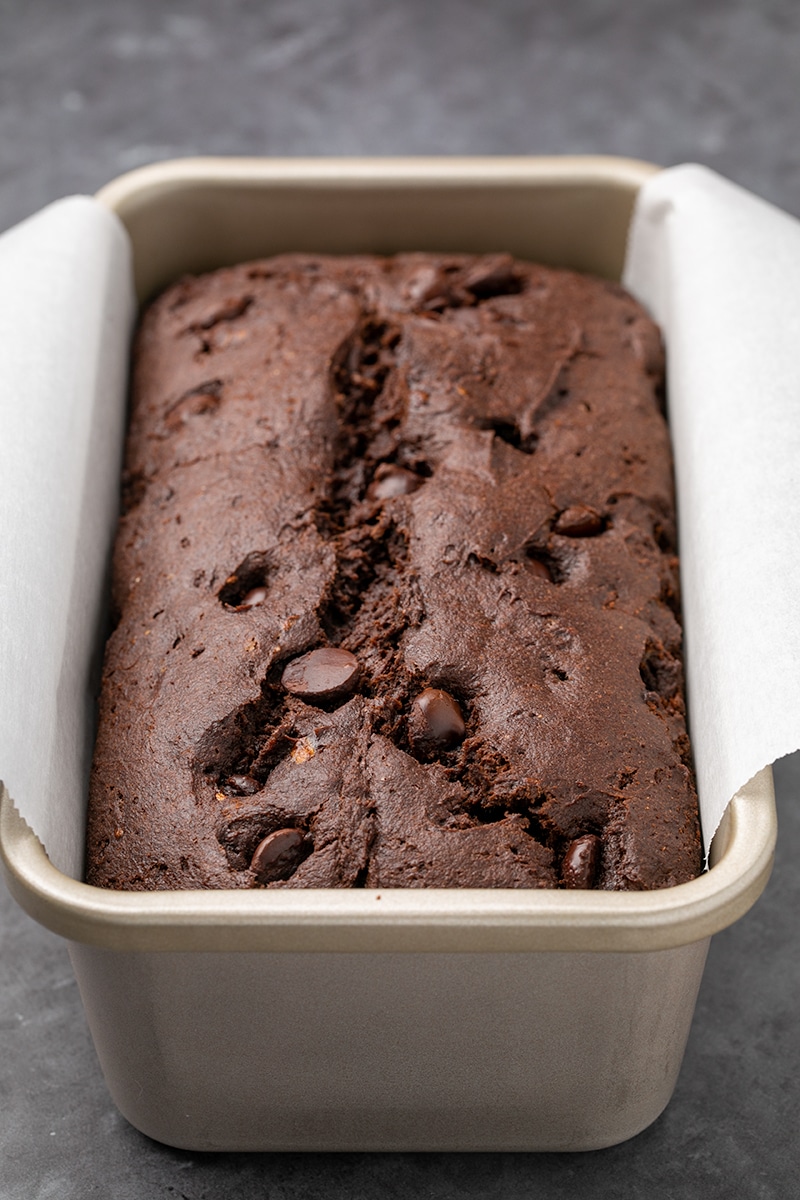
720	271
66	313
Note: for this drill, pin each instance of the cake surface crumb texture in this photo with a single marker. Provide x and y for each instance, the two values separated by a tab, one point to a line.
395	588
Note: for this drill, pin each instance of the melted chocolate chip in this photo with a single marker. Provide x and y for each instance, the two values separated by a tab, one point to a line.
579	520
252	599
538	567
243	785
278	856
247	585
322	674
435	720
580	862
392	481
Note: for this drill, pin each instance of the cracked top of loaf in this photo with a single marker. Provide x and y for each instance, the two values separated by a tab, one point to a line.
395	587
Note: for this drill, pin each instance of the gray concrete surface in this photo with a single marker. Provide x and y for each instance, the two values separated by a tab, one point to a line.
90	89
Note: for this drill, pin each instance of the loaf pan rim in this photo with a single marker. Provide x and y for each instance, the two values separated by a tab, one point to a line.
395	919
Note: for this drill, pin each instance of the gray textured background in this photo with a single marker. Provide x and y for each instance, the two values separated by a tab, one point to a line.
91	89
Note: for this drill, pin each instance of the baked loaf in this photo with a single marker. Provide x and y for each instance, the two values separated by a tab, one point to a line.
395	587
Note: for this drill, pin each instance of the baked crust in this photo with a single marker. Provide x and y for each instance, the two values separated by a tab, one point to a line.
455	468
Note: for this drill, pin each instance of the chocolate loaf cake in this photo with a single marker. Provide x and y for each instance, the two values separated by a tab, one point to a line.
395	587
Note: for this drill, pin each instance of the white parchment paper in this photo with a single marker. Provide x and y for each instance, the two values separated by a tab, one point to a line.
720	271
66	311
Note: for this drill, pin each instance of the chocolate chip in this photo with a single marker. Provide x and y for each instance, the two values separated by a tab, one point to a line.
322	674
539	567
252	599
244	785
278	856
392	481
579	520
435	720
579	867
246	587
